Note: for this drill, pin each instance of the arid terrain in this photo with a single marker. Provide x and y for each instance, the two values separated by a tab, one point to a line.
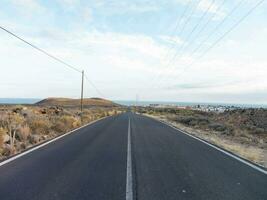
241	131
23	126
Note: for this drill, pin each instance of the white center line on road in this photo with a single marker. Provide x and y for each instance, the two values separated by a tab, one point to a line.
129	178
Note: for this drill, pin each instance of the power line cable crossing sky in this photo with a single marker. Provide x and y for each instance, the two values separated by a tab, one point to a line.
212	33
53	57
203	54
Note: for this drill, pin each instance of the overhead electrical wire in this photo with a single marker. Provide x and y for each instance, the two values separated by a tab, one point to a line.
197	25
222	36
180	50
217	27
53	57
213	31
182	29
187	8
207	23
41	50
177	26
94	86
189	17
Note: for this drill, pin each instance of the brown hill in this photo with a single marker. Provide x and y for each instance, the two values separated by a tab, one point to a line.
76	102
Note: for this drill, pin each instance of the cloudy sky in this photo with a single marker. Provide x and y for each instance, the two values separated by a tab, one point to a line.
173	50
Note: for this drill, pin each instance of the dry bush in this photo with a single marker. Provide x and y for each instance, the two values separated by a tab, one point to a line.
2	133
65	123
14	121
87	118
40	126
24	132
217	127
193	120
34	124
34	139
77	123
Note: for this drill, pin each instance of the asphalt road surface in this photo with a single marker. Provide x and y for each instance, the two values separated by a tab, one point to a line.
129	157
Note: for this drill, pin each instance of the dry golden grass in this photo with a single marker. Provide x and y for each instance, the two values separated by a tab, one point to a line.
65	123
40	125
24	132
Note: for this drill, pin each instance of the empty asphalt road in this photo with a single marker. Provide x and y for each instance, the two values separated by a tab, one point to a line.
129	157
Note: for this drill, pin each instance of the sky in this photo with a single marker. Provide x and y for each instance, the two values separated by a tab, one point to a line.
172	50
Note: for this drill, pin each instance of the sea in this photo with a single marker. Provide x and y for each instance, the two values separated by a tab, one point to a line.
19	100
140	103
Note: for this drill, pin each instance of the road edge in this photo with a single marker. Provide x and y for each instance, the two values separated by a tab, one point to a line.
228	153
42	144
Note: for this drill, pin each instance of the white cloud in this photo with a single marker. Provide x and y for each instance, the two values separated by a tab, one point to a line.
118	6
87	14
121	64
172	40
28	7
69	5
210	6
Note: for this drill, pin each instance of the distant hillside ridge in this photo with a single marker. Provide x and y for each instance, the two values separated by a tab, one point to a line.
76	102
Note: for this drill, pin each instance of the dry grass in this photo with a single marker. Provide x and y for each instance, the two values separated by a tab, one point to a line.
24	133
2	133
22	127
39	125
250	152
65	123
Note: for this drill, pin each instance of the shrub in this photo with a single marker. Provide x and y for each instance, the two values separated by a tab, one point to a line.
77	123
217	127
259	131
65	123
2	133
33	139
24	132
87	118
40	126
186	120
193	121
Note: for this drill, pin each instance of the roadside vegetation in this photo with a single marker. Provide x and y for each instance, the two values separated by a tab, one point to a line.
22	127
242	131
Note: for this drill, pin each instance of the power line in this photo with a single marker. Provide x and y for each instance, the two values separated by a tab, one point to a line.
173	33
177	25
53	57
189	18
41	50
212	32
222	36
94	86
182	29
197	25
217	27
191	32
208	21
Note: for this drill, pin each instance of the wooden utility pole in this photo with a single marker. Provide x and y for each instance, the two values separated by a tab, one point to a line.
82	97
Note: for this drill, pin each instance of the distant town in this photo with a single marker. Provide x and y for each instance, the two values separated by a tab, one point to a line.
202	107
